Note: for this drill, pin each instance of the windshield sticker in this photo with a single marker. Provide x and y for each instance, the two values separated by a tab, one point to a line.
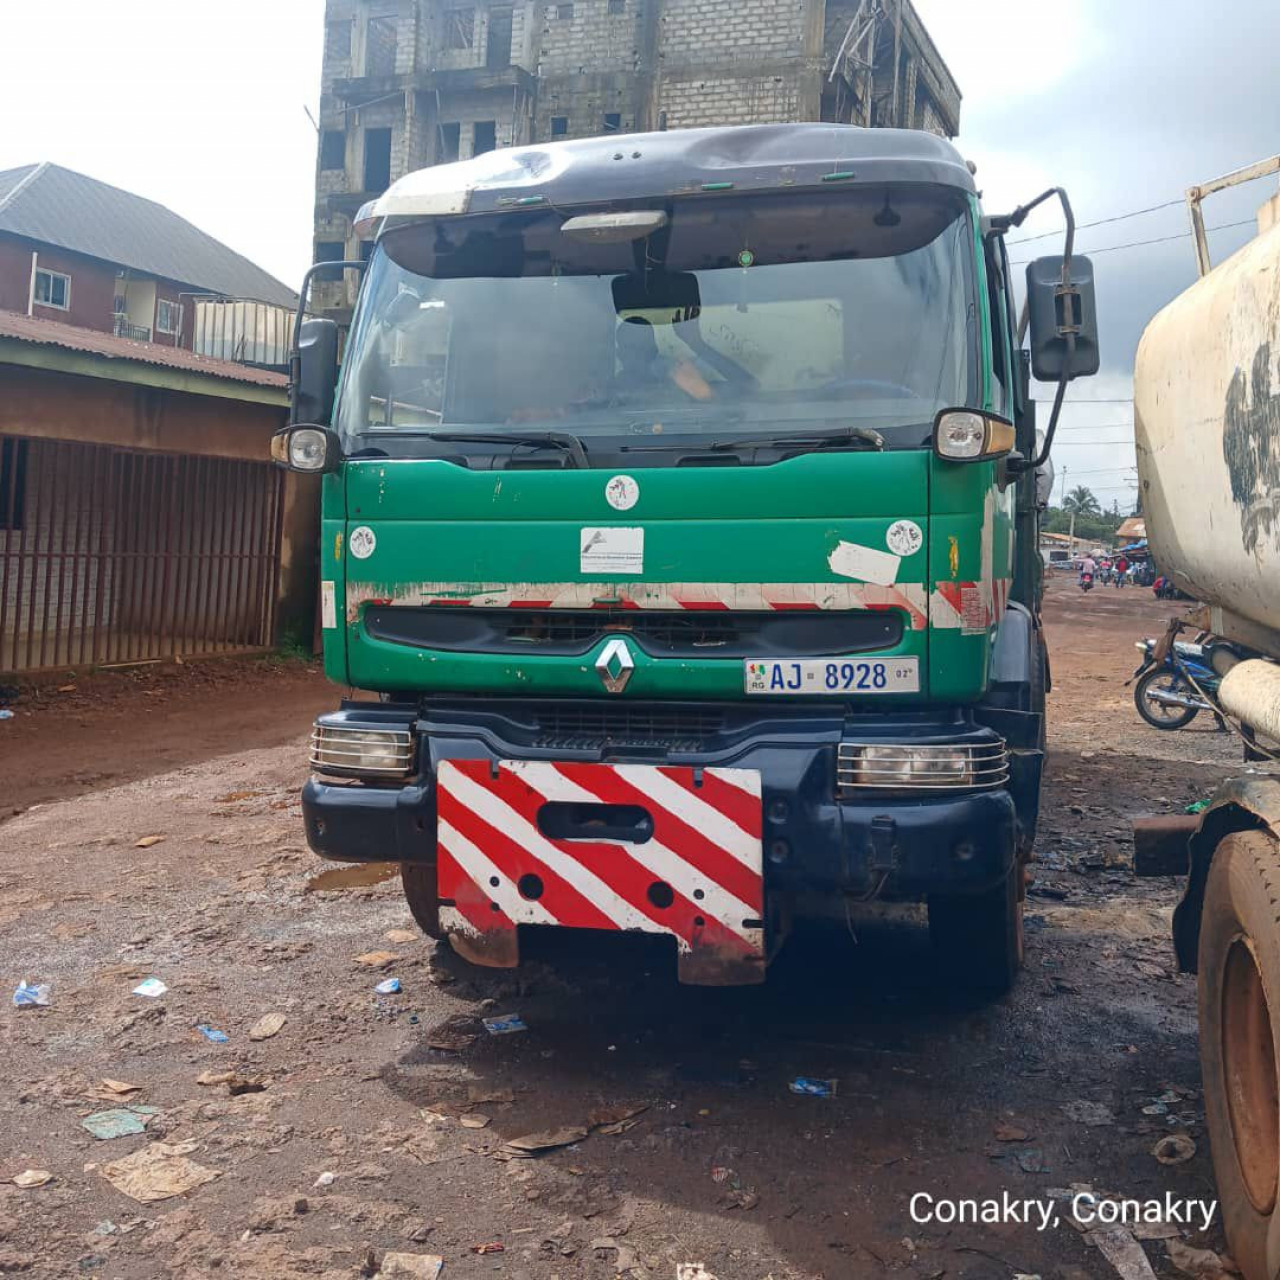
362	542
611	551
904	537
328	607
851	560
622	493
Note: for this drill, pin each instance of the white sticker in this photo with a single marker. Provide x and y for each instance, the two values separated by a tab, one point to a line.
622	493
904	537
361	542
328	609
612	551
852	560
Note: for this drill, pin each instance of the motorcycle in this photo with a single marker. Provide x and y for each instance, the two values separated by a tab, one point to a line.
1177	679
1086	581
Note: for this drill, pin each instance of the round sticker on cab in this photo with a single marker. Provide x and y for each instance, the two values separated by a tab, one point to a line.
361	542
904	537
622	493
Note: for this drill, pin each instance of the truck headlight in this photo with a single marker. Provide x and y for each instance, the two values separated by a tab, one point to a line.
361	751
863	766
971	435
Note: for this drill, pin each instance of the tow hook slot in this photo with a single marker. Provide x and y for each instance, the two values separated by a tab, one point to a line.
884	843
579	820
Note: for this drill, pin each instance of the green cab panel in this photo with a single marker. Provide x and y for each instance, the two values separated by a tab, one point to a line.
835	530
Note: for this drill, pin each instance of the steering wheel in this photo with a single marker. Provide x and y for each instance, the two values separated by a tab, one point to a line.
870	387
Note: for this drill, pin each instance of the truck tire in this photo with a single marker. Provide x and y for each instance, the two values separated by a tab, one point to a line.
1239	997
422	895
977	938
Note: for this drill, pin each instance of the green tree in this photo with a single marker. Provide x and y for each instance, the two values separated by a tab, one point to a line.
1082	501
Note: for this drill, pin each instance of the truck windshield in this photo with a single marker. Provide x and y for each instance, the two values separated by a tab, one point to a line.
721	315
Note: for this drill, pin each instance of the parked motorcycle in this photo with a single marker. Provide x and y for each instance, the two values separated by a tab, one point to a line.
1165	694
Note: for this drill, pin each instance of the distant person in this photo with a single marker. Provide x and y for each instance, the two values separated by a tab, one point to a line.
1122	568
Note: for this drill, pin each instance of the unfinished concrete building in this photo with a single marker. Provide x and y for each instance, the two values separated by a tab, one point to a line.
411	83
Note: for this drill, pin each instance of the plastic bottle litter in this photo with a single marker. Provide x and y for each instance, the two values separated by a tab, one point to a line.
6	714
504	1024
213	1034
150	987
388	988
812	1088
32	995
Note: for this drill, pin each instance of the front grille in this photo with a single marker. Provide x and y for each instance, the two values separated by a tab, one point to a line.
982	766
580	727
660	633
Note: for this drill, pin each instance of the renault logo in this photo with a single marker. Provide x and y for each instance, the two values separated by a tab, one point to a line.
615	665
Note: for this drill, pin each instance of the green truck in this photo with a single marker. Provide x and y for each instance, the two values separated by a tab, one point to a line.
680	503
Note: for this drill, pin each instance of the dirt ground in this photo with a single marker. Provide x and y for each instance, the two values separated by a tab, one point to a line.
357	1134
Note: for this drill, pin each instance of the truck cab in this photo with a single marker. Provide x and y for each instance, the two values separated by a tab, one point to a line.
680	505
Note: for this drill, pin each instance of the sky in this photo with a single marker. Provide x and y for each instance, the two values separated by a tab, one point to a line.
1126	103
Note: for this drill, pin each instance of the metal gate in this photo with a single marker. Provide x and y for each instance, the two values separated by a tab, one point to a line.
111	556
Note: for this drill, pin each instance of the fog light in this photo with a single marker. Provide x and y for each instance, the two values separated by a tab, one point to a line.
361	751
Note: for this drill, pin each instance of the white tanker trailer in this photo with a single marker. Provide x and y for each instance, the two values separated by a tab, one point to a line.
1207	418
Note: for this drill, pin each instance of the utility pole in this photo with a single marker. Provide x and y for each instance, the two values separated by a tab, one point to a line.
1064	487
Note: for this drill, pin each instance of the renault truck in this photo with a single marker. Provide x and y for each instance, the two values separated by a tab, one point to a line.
679	508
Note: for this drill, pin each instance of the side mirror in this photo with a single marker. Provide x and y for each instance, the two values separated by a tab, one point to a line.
314	372
308	449
1056	310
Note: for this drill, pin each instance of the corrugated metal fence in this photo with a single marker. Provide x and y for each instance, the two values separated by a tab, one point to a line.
109	555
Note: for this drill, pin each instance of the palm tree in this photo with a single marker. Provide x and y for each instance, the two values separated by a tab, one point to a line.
1081	500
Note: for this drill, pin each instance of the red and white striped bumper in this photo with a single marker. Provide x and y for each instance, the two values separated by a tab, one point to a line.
699	877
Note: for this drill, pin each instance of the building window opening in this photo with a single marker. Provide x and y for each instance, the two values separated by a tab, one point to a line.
484	137
333	150
450	138
380	47
168	316
53	289
459	28
564	11
330	251
337	39
498	49
377	159
616	7
613	121
559	126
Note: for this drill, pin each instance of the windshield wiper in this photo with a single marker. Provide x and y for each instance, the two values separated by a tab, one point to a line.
571	444
813	439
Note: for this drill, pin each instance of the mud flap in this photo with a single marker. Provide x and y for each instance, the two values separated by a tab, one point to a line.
646	848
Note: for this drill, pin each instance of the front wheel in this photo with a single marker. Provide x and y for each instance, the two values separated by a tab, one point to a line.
1163	715
1239	966
422	895
977	938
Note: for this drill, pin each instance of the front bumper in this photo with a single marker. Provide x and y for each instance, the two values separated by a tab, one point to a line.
816	845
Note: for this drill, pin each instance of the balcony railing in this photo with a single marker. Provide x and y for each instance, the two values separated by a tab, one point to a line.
123	329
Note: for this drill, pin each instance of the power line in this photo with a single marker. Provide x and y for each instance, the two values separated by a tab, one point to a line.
1081	400
1079	444
1138	244
1084	226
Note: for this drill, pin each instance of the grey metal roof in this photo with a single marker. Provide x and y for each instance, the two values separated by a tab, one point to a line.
57	206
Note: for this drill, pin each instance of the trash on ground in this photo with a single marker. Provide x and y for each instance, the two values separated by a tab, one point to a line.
626	1258
6	714
474	1120
377	959
31	1178
266	1026
486	1093
410	1266
239	1084
213	1034
326	1179
1031	1160
504	1024
215	1077
151	987
119	1122
532	1144
1011	1133
719	1173
1204	1264
158	1171
813	1088
120	1086
32	995
147	841
492	1246
1090	1113
389	987
1175	1148
1117	1245
617	1118
692	1271
449	1037
1197	806
1156	1109
401	935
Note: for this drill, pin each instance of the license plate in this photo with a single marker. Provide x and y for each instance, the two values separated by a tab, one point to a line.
833	675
